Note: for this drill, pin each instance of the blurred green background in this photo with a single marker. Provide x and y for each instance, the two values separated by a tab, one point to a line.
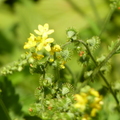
19	18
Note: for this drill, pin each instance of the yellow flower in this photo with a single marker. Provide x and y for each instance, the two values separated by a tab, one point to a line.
55	48
98	99
94	92
93	112
91	100
81	101
96	105
44	30
62	66
37	56
97	102
85	117
51	60
45	43
41	41
31	42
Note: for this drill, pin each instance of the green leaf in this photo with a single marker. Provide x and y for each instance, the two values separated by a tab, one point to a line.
10	98
65	90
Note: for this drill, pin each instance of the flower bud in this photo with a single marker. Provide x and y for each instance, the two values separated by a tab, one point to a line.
20	68
23	56
71	34
31	60
24	62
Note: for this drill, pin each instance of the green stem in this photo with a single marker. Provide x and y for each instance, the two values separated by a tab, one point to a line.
69	70
87	50
107	20
100	73
110	88
56	70
92	3
4	109
107	58
67	43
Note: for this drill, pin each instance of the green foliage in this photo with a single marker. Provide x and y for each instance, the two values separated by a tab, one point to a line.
52	98
78	79
71	34
9	99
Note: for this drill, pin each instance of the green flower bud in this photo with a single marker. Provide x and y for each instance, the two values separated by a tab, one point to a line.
9	72
71	34
23	56
13	68
88	74
78	48
3	72
16	63
24	62
31	60
20	68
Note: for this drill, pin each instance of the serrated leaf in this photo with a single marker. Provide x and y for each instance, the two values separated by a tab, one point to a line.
65	90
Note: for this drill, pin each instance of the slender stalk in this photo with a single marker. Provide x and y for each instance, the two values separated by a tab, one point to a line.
67	43
4	109
111	90
107	58
106	21
92	3
100	73
69	70
87	50
56	71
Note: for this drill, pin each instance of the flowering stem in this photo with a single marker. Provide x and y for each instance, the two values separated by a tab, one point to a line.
88	51
100	73
107	58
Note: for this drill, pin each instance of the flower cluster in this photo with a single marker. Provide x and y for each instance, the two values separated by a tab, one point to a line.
89	103
39	46
42	46
41	41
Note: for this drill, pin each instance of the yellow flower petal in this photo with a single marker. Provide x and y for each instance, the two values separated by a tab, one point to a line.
50	31
31	42
46	27
40	27
37	56
94	92
51	60
49	40
47	47
93	112
62	66
39	47
37	32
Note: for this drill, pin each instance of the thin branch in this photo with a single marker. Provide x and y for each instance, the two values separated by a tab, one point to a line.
109	15
95	10
100	73
106	59
67	43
